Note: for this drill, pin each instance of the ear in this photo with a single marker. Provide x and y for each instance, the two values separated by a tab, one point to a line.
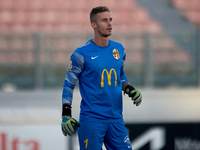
94	25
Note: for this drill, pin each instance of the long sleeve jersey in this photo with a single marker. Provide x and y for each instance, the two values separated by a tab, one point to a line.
100	70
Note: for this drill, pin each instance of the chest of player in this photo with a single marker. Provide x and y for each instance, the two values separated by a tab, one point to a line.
99	60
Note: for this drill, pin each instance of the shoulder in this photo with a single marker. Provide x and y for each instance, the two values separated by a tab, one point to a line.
117	44
80	50
86	45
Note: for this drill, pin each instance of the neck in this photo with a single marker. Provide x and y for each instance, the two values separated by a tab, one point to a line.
102	41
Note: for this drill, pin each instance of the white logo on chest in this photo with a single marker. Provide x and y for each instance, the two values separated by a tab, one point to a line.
94	57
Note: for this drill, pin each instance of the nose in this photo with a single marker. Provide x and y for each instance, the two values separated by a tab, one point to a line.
109	22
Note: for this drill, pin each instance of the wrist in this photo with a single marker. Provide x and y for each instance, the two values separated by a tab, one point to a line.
66	110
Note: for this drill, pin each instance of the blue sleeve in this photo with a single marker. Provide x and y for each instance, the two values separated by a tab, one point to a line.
73	72
122	75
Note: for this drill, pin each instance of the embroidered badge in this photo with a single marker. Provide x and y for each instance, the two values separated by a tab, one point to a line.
115	53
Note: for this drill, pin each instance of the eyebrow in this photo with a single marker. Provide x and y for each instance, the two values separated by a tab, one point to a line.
107	18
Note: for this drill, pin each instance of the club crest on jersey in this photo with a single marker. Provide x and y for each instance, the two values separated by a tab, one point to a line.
115	53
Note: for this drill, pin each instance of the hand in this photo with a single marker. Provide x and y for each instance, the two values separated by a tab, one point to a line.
69	125
136	97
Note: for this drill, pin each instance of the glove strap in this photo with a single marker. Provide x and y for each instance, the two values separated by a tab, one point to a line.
66	110
128	89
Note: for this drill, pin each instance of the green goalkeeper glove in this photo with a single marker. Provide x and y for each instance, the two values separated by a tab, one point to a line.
135	95
69	125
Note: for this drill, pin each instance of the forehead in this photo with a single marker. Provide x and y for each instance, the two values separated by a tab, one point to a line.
104	15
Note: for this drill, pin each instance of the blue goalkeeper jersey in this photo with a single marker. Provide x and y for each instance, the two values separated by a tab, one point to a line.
100	70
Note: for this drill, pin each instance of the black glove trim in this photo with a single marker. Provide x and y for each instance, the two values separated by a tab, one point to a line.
128	88
66	110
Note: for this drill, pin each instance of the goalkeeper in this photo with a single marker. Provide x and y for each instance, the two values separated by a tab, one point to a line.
99	66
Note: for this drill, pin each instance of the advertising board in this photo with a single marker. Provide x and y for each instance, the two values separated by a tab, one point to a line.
164	136
32	137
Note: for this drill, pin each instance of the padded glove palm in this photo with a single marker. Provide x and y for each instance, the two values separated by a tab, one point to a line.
69	125
136	97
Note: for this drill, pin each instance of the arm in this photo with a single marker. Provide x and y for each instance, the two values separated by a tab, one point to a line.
73	72
135	95
69	125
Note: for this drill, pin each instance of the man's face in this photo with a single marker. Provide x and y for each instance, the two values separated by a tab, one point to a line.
104	24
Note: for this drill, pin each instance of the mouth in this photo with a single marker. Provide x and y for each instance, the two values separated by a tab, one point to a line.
109	29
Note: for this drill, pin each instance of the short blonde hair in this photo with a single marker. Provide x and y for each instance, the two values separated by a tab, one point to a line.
97	10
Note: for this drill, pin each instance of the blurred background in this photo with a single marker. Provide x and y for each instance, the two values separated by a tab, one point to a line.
162	42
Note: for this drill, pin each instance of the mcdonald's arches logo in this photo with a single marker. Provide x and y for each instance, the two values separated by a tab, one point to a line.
108	76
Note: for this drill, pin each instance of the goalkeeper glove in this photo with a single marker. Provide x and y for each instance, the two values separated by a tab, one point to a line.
69	125
135	95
